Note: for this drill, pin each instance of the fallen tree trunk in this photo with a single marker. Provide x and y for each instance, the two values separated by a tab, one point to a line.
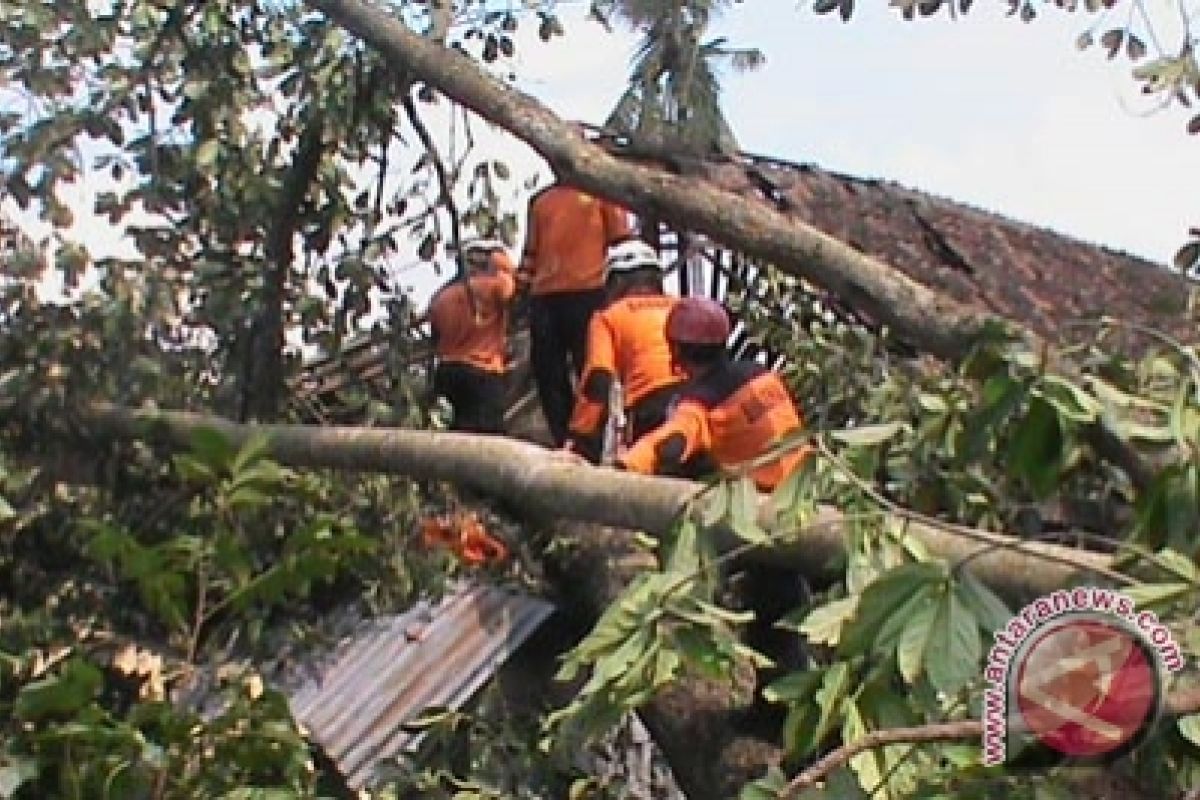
544	483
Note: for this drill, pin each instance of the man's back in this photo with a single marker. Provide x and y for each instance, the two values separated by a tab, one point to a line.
730	416
569	232
479	339
636	327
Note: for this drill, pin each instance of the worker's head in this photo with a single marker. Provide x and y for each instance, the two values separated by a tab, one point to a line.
697	330
477	253
632	265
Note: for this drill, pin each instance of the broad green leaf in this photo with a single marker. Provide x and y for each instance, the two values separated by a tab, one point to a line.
192	469
823	625
1071	401
881	599
1152	594
64	693
834	686
743	512
253	451
910	652
1001	396
700	651
211	447
6	510
1037	449
795	687
989	609
800	728
866	765
952	657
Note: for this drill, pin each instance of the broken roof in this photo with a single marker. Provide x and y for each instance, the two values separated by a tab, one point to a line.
1044	280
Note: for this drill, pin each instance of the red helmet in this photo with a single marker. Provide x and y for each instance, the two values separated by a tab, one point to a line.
698	320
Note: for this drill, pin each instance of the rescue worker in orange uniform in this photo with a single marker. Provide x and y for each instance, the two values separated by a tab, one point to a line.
567	235
471	344
626	342
729	413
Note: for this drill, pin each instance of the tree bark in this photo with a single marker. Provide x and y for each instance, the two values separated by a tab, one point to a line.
263	376
539	481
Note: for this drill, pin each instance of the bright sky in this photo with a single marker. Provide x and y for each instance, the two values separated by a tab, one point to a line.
988	110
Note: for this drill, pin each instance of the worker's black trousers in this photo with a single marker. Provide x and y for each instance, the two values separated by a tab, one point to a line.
476	395
558	325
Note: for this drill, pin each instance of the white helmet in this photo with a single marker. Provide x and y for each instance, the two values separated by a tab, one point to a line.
631	255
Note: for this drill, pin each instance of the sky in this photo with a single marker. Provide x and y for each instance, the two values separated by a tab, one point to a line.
1008	116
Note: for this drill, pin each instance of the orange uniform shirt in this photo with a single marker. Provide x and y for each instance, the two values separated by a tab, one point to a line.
733	416
567	239
628	340
482	340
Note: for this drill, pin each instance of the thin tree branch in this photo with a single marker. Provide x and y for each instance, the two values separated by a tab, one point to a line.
446	192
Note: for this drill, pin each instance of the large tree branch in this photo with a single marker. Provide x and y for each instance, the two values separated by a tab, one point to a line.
532	477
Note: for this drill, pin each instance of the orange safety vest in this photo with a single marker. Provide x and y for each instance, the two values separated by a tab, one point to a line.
732	415
567	239
628	340
480	340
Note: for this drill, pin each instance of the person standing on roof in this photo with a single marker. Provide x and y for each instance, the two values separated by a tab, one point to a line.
627	343
729	412
469	322
567	235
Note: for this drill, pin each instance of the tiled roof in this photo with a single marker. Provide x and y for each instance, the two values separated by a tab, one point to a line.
1026	273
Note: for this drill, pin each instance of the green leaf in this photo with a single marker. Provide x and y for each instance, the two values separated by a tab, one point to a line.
829	698
797	687
211	447
1152	594
868	435
65	693
1070	400
1001	396
6	510
824	624
882	598
743	512
910	652
1037	449
252	453
952	657
989	609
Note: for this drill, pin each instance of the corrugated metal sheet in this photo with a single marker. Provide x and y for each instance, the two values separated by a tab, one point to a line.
433	655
